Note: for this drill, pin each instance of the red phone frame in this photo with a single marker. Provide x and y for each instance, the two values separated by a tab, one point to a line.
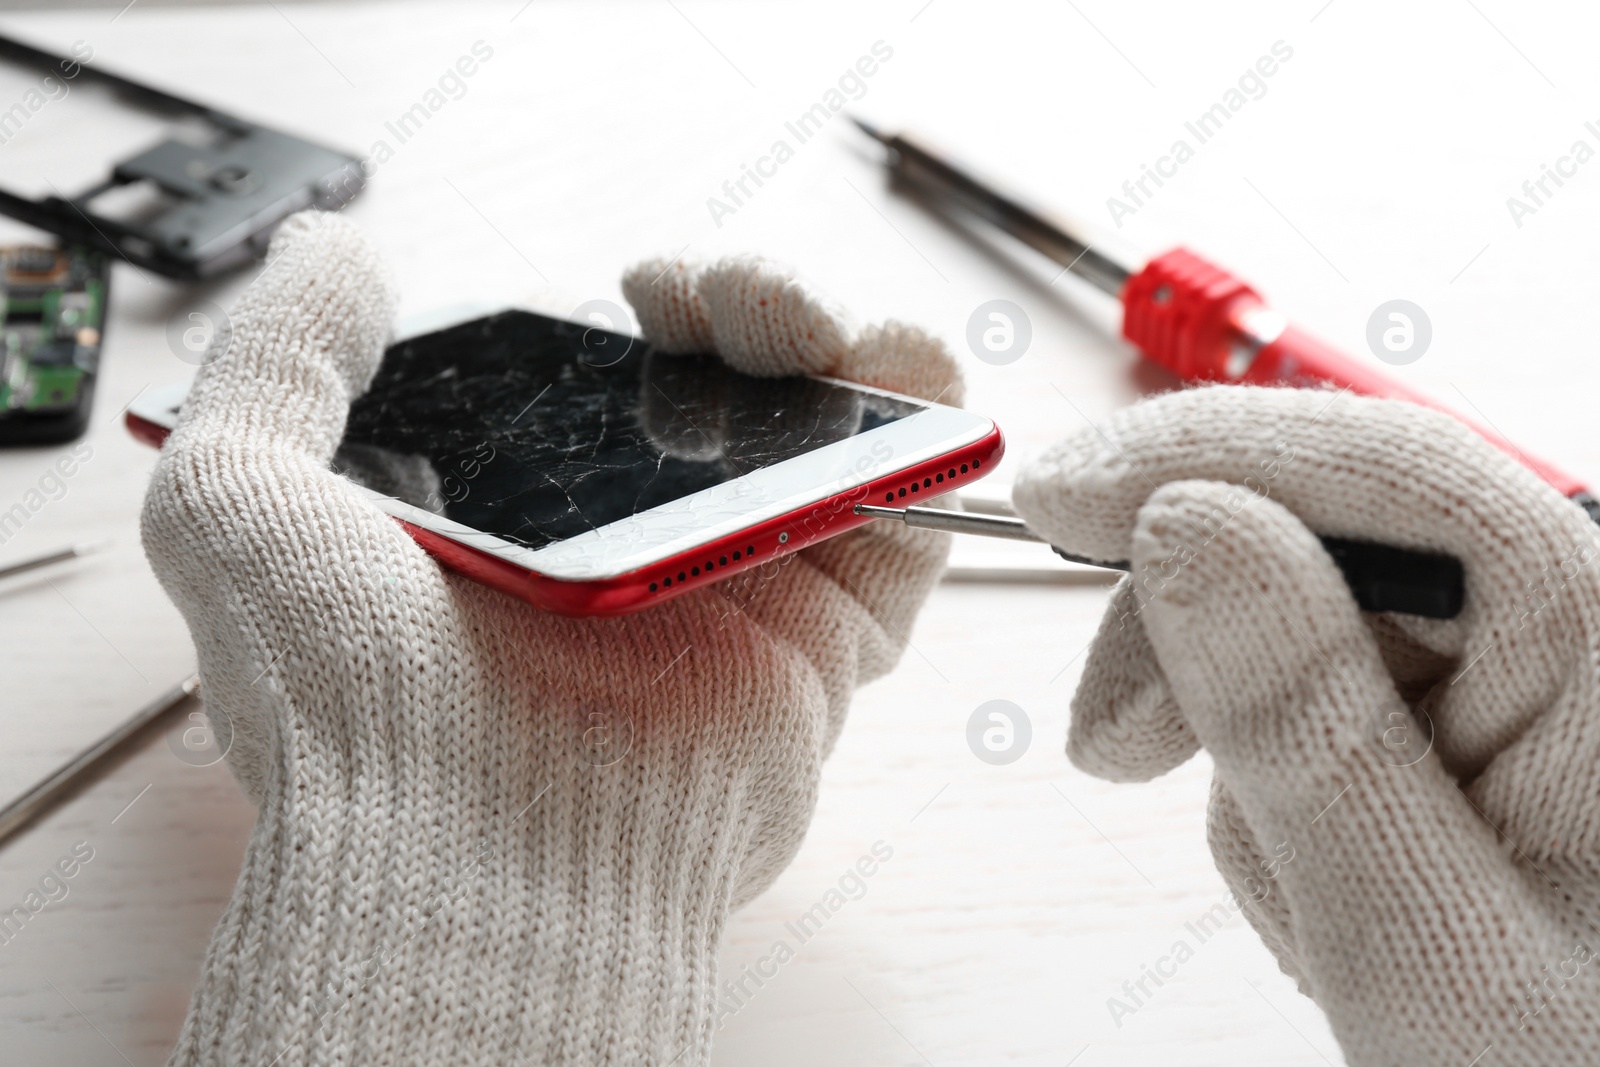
705	565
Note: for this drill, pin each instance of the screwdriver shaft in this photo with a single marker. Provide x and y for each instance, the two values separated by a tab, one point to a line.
1381	578
924	169
1012	529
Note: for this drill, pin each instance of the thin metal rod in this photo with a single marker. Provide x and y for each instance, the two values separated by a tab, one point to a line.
55	788
1380	578
954	522
58	556
923	168
1002	526
1071	576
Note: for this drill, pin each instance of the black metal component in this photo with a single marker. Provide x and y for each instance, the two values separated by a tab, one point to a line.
226	197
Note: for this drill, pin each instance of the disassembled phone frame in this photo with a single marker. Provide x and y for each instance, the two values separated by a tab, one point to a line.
226	197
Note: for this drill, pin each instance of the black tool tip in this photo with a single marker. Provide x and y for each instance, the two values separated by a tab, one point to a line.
870	130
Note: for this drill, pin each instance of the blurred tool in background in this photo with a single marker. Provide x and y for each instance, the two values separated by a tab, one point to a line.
1186	314
48	559
65	781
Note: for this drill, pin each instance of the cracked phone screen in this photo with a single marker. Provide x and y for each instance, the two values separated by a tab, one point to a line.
535	429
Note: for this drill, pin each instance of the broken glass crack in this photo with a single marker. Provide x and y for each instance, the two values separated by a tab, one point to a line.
502	425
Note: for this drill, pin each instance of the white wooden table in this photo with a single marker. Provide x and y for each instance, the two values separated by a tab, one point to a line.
1018	898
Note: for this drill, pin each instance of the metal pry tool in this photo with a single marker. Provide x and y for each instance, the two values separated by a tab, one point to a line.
72	775
1380	577
1186	314
60	555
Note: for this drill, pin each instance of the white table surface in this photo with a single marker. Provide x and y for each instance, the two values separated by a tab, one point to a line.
1019	898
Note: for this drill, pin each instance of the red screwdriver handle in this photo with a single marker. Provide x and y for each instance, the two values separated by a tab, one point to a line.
1298	358
1204	324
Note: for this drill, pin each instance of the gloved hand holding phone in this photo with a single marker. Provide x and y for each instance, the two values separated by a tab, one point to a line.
487	834
491	834
1408	809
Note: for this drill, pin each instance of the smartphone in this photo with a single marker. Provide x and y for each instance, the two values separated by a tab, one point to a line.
589	474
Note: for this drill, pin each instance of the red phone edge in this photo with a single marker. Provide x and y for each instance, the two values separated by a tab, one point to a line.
766	543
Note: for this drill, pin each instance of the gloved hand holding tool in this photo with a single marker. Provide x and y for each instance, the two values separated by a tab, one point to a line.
489	835
1435	784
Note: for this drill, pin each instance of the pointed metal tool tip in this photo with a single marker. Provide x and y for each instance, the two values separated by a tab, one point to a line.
870	130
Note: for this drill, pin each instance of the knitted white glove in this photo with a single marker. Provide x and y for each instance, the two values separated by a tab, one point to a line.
1435	903
489	835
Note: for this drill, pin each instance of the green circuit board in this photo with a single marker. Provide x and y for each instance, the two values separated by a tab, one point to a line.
54	302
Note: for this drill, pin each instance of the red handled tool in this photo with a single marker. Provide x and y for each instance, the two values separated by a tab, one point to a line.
1186	314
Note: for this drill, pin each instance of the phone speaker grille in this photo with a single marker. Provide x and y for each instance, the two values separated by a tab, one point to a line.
911	489
709	566
915	488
